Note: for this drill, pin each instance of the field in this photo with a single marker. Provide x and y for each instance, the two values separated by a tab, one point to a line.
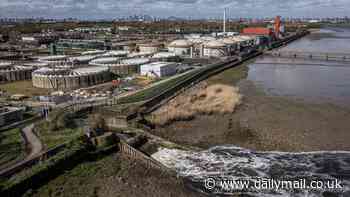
11	147
22	87
51	138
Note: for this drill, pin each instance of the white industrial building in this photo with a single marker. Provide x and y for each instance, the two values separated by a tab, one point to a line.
158	69
181	47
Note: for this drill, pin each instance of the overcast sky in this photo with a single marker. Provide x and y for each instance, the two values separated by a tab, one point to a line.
100	9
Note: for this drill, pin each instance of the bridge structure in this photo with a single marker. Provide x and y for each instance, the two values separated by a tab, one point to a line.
343	57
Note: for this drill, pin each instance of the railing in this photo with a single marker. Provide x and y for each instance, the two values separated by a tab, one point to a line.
311	55
128	150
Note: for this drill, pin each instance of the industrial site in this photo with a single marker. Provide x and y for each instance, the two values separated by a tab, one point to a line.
173	107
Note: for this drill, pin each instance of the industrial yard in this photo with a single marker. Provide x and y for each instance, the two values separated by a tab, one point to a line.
137	107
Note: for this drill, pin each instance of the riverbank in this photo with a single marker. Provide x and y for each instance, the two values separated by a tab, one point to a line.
264	122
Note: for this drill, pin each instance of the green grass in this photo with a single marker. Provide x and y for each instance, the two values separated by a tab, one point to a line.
23	87
38	175
53	138
83	179
11	147
155	89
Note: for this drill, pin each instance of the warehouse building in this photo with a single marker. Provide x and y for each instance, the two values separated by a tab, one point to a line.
158	69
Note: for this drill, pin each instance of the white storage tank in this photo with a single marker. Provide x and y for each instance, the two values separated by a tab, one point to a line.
215	48
151	47
180	47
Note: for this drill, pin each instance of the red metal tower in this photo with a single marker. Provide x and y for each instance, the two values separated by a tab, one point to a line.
277	26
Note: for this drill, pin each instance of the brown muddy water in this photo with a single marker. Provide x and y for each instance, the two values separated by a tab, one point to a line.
317	81
293	121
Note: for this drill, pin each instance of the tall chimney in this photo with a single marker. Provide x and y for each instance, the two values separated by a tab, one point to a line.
224	28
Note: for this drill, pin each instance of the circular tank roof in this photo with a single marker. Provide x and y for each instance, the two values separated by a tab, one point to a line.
135	61
215	44
105	60
180	43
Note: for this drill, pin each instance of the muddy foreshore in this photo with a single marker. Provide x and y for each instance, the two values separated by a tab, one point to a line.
264	122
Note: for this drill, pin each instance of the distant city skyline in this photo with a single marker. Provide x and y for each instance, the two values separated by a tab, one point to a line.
109	9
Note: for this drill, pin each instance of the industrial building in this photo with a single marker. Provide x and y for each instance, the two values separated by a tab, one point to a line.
158	69
10	72
83	44
128	66
70	79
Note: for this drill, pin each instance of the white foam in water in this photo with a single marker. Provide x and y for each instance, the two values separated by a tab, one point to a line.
230	161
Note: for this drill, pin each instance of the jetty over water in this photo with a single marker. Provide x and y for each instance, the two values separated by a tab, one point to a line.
343	57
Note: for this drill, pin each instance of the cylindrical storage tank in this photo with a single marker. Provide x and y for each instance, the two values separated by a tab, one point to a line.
215	48
151	47
180	47
128	66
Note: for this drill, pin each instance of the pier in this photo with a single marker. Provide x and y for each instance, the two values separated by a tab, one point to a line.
343	57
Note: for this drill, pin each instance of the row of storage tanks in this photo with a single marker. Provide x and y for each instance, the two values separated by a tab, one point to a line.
194	46
65	75
70	79
10	72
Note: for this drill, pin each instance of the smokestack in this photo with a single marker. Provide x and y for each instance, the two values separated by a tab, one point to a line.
224	27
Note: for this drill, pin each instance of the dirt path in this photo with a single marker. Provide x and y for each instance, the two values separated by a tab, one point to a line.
32	141
33	144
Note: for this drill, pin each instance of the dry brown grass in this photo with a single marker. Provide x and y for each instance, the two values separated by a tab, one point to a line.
202	99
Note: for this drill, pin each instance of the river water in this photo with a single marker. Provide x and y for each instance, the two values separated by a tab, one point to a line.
310	80
316	81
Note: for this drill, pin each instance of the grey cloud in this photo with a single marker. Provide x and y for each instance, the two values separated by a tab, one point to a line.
193	8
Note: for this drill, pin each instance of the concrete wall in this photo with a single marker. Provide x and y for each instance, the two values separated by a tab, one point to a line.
128	150
15	75
124	69
13	115
70	82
